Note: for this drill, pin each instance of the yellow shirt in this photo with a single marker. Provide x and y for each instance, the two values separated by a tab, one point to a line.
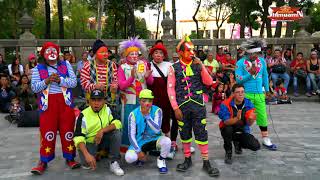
214	64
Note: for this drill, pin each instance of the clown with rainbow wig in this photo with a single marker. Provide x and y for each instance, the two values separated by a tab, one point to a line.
133	77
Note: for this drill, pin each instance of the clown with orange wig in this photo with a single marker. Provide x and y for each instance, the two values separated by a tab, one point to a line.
133	76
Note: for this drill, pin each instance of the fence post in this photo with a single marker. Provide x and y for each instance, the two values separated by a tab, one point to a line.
27	41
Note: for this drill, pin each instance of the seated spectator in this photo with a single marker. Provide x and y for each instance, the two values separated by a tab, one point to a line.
281	93
61	57
288	56
220	56
3	66
230	84
217	98
175	58
7	93
221	77
15	108
145	133
97	129
271	96
15	71
28	98
32	63
278	68
229	64
90	55
237	114
313	74
211	64
298	68
240	53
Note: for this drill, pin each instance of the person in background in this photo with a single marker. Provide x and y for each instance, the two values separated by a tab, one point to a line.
69	57
7	93
220	56
3	66
15	71
32	62
217	98
313	68
278	66
299	71
281	93
90	55
211	64
175	58
80	65
97	129
237	115
27	97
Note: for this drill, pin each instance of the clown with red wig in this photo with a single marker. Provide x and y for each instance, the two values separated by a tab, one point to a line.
133	76
53	81
186	80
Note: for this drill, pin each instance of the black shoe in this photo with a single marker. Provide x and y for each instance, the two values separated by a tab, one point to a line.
228	158
237	147
212	171
185	165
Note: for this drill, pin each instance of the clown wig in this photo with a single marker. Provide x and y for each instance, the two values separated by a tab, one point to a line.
132	44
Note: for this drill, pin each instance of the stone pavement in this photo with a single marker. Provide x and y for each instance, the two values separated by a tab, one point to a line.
298	157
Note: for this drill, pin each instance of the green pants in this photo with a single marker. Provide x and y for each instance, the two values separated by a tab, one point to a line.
259	103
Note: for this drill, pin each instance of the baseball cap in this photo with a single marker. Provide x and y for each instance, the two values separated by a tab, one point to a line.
96	94
146	94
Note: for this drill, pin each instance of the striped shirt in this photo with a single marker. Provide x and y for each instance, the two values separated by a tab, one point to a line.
37	85
102	71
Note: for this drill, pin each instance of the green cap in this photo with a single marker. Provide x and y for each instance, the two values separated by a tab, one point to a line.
146	94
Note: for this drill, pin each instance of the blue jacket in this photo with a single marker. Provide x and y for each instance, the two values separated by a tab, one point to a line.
143	129
252	84
228	110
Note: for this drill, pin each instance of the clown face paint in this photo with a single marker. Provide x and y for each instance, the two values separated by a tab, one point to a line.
158	56
102	54
51	54
188	52
133	57
146	103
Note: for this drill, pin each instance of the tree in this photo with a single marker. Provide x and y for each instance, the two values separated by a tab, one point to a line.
266	22
160	4
101	4
220	10
174	18
10	13
48	20
198	2
60	15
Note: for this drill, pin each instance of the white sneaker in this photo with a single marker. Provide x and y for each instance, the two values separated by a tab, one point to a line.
162	166
116	169
192	150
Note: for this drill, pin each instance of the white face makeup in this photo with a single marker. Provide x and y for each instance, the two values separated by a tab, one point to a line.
51	54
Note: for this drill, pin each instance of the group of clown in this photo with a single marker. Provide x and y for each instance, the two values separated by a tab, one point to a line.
149	101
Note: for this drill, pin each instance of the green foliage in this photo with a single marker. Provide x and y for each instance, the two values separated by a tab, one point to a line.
315	17
10	13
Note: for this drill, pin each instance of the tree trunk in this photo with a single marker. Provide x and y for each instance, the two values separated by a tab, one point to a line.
160	3
195	19
262	29
131	19
100	11
243	20
267	22
60	15
174	18
115	32
48	20
125	35
277	33
232	31
289	28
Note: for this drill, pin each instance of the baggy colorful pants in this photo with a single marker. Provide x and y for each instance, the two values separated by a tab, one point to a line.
194	118
58	116
260	104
